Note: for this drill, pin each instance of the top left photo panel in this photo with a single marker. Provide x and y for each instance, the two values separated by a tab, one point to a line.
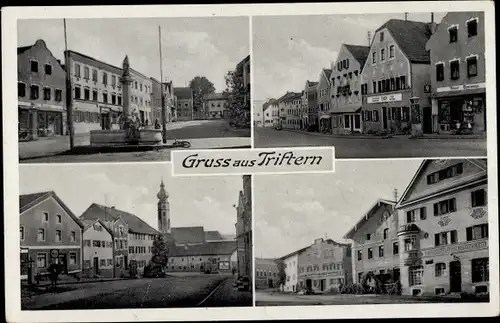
131	89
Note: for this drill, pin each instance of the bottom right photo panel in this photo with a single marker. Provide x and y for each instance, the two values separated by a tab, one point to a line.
373	232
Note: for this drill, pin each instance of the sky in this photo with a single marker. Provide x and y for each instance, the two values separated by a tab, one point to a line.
289	50
293	210
194	201
204	46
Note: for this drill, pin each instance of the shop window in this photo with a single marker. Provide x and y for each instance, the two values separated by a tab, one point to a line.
381	251
34	92
375	116
370	253
34	66
472	27
472	66
48	69
440	72
478	198
477	232
391	51
440	269
453	34
480	270
72	258
395	248
455	70
360	255
416	274
439	291
21	89
94	75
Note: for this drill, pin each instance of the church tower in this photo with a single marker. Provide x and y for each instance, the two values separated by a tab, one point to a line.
163	210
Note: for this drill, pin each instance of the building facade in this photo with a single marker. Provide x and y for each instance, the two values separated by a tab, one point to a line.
244	68
293	106
41	90
258	113
210	257
184	111
458	74
98	253
266	273
50	234
312	103
156	101
346	89
396	78
141	89
244	229
271	113
291	264
170	101
443	233
215	106
324	100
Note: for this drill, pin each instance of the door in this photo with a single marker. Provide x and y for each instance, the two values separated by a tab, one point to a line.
427	120
63	260
308	284
270	283
322	284
125	260
384	117
455	277
357	122
96	265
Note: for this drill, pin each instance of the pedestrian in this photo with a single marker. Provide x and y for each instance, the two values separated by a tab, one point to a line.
53	274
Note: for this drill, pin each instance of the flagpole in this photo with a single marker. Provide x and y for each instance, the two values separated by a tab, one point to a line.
163	112
69	92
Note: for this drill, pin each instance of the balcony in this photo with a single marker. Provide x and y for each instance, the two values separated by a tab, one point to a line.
410	228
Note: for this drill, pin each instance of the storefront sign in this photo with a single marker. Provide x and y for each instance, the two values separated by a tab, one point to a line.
385	98
322	275
461	87
463	247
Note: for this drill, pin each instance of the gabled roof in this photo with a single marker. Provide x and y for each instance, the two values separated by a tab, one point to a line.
22	49
293	96
88	223
328	241
214	96
27	201
328	73
205	249
213	236
269	103
311	83
183	235
367	216
360	53
183	93
411	37
243	61
104	213
285	97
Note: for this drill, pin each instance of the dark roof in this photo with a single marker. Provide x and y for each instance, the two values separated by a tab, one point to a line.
411	37
268	103
243	61
371	211
214	96
135	224
310	83
21	50
213	235
183	93
26	199
293	96
328	73
360	53
207	248
188	235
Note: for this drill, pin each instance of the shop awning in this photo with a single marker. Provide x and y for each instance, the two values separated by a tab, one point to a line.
345	110
450	94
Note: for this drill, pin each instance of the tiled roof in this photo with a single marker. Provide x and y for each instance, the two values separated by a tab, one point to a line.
360	53
411	37
21	50
213	235
188	235
135	224
183	93
205	249
293	96
367	215
214	96
26	199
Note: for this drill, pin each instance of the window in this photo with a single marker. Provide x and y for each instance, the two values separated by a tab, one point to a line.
46	93
410	243
480	270
370	253
40	235
391	51
381	36
440	72
110	262
21	89
34	66
21	233
386	233
72	236
360	277
86	73
410	216
94	75
368	236
440	269
58	95
86	94
445	207
104	78
477	232
402	82
78	92
382	54
41	260
374	57
453	33
113	80
72	258
347	121
34	92
48	69
448	172
395	248
105	97
360	255
45	216
478	198
416	273
442	238
472	66
455	70
472	27
119	100
375	116
94	95
380	251
58	236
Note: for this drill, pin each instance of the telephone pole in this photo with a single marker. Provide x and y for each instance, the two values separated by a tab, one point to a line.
69	92
163	112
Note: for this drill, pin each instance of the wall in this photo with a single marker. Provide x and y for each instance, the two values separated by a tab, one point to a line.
141	89
102	253
216	108
323	100
140	240
184	109
292	273
193	263
266	273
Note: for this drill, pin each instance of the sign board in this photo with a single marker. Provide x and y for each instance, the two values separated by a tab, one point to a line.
427	88
461	87
385	98
464	247
54	253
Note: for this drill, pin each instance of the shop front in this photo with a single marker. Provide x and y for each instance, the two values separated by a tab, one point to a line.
460	109
347	120
37	120
325	123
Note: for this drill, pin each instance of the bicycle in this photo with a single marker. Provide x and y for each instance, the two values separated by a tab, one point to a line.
181	144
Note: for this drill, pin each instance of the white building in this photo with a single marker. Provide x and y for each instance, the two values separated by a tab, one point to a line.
271	113
258	113
97	249
291	262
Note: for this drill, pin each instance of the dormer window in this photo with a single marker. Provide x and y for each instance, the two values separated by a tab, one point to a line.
453	33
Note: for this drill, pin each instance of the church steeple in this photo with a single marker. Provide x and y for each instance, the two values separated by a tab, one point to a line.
163	210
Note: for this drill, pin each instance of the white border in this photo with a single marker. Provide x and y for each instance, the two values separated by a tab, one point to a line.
11	167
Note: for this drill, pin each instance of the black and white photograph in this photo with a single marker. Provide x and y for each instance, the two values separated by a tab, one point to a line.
132	236
414	231
372	85
131	89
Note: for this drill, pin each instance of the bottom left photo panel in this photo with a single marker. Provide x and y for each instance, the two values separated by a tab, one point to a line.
109	236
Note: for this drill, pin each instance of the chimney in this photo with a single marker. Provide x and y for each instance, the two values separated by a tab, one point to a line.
406	16
369	38
432	17
432	25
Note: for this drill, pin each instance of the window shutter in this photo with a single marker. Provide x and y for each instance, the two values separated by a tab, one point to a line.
436	209
436	239
453	205
469	233
453	236
423	214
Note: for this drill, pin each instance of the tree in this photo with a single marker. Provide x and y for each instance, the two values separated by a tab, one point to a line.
200	86
160	251
237	95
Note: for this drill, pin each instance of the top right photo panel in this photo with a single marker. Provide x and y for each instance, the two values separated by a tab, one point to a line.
372	85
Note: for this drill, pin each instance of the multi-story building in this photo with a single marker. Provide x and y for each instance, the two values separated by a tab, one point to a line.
266	273
170	101
293	106
141	96
312	102
443	233
217	256
282	111
291	264
346	89
324	100
258	113
375	243
396	78
244	68
244	229
98	253
325	265
215	106
41	90
50	234
155	101
184	109
304	115
270	111
458	74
